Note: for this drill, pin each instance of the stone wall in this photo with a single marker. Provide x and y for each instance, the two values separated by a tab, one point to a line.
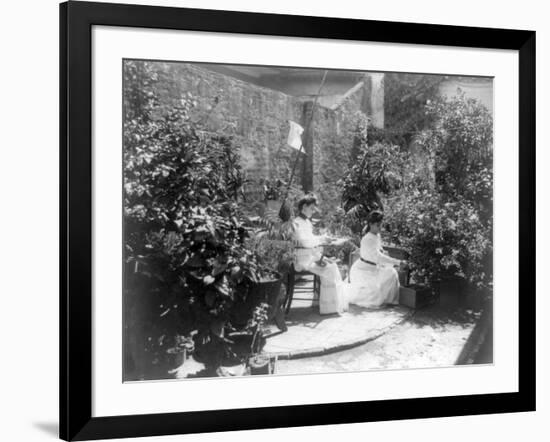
334	147
257	118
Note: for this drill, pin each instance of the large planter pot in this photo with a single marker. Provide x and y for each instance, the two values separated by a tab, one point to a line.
253	294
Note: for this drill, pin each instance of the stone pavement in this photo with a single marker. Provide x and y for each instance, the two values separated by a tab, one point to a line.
310	334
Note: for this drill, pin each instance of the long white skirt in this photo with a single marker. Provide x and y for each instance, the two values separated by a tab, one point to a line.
373	286
333	296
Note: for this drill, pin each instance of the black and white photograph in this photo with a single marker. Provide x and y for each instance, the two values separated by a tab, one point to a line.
292	220
233	221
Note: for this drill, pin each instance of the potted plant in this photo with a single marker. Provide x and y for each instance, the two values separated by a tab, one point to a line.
258	363
178	354
274	260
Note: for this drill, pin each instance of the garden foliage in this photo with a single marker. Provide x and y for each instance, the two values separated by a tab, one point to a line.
376	172
443	217
447	223
185	236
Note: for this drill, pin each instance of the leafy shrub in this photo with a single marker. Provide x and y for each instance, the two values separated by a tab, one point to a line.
445	239
376	172
184	233
273	254
447	225
460	144
444	218
405	113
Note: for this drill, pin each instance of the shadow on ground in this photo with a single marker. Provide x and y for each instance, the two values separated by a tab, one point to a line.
436	316
50	428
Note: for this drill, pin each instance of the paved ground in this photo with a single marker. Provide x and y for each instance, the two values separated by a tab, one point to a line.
310	334
430	338
363	339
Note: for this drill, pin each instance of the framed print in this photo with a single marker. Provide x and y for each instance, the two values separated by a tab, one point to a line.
272	220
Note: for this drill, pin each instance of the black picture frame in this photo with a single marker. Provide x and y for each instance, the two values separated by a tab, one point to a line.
76	21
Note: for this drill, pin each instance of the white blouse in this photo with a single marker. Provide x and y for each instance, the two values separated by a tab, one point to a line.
371	250
303	233
307	244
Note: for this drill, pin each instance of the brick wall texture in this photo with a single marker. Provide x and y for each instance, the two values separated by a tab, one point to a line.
257	119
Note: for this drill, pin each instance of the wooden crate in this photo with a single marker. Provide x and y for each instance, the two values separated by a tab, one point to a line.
415	297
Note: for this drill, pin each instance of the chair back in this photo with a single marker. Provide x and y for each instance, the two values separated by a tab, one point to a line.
353	256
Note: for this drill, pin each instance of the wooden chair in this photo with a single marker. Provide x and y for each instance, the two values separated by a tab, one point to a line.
291	289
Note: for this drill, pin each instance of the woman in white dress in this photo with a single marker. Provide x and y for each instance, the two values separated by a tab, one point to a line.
308	253
373	279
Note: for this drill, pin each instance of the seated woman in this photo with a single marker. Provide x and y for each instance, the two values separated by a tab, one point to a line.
373	280
308	257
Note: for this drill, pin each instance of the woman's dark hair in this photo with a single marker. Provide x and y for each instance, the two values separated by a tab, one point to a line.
374	217
306	201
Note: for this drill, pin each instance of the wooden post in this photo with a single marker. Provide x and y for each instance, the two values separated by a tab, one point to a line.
283	213
307	141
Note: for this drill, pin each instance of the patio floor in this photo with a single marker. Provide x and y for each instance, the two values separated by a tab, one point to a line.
310	334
